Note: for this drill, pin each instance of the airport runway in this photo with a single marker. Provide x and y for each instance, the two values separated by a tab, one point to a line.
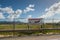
50	37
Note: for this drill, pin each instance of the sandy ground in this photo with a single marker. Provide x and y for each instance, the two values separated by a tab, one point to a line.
50	37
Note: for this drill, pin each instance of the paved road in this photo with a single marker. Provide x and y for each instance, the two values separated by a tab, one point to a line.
51	37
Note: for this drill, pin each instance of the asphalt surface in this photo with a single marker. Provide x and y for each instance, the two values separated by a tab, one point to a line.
50	37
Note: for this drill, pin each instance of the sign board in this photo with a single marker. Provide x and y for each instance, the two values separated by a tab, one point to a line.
35	20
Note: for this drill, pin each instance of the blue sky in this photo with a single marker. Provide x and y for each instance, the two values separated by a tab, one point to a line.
38	9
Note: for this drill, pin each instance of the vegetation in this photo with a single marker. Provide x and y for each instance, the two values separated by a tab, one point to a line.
31	26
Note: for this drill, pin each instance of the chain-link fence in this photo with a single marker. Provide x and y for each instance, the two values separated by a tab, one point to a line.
13	28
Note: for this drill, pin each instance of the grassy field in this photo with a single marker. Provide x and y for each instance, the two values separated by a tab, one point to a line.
19	26
25	26
31	26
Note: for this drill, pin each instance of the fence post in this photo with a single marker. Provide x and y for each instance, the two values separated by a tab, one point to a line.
28	25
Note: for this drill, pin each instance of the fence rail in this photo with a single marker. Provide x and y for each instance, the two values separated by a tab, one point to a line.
17	26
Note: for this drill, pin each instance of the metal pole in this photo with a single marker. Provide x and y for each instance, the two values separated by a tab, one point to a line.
53	22
14	24
14	27
28	26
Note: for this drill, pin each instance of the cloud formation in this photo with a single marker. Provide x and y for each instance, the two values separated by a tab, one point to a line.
29	16
52	10
15	14
1	16
7	10
29	8
26	19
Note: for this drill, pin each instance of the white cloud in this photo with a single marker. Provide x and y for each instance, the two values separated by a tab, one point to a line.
12	14
29	16
52	10
51	21
15	14
29	8
18	13
31	5
26	19
1	16
7	10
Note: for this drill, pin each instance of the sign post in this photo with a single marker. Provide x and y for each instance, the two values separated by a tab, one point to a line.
36	21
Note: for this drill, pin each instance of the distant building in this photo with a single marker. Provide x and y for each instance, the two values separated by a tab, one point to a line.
35	20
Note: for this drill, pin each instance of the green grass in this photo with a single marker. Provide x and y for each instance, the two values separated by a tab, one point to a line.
25	26
19	26
31	26
6	26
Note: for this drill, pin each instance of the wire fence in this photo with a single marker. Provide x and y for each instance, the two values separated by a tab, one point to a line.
23	23
12	28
